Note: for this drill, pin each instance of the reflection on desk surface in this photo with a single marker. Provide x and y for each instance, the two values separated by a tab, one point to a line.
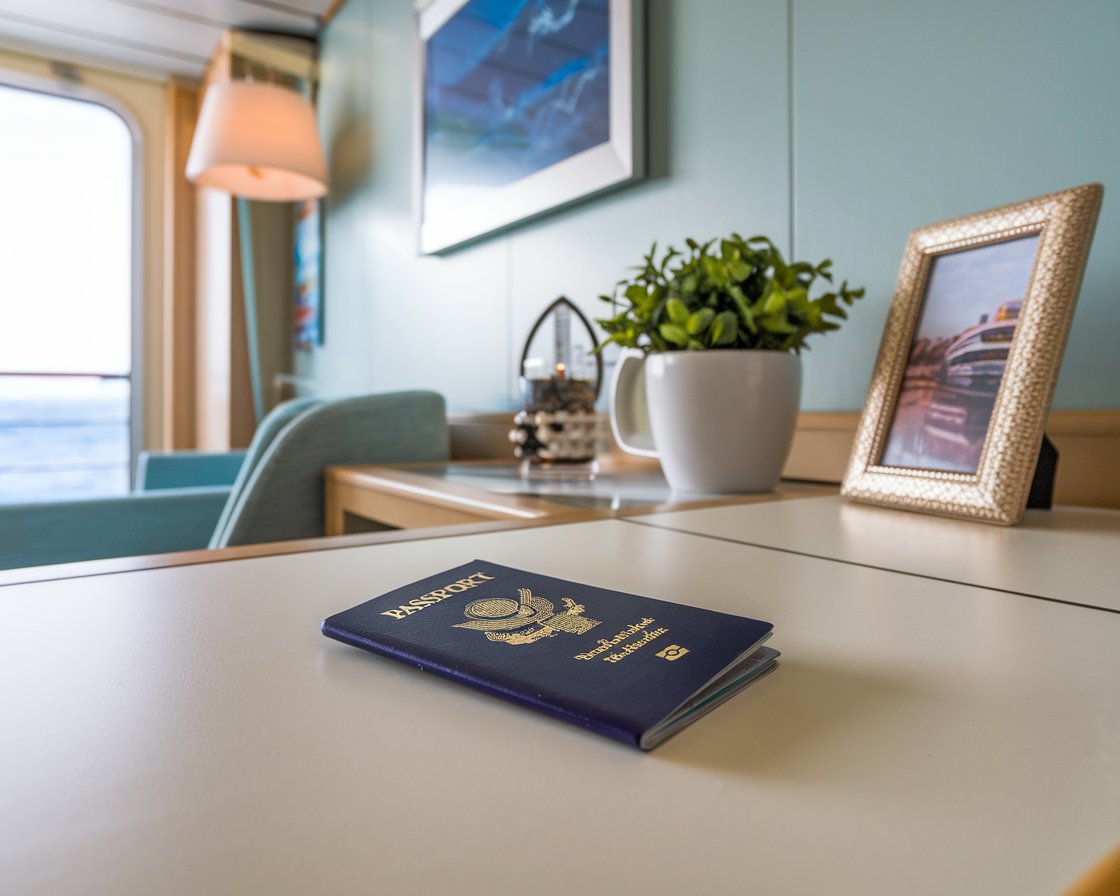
607	489
611	487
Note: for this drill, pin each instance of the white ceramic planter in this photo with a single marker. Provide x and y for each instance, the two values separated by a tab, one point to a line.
719	421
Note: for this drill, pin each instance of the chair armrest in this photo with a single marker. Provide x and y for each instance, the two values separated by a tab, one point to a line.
120	526
186	469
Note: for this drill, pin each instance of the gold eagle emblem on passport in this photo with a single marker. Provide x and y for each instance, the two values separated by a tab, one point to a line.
525	620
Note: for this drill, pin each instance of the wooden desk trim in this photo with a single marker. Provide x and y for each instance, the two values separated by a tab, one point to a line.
413	500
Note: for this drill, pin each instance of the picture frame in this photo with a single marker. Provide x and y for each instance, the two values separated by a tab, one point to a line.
961	389
307	253
522	109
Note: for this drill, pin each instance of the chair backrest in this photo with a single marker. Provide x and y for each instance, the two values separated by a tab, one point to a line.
279	493
267	430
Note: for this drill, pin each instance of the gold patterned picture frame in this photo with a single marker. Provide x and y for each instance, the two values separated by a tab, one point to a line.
970	354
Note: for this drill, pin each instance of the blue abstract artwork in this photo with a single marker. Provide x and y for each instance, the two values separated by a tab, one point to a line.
511	88
308	256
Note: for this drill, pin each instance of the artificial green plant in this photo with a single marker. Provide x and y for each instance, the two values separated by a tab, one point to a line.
737	293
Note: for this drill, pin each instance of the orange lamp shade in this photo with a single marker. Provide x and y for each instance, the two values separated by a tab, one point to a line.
257	141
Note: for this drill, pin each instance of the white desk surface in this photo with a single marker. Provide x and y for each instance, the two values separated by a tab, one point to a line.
1068	553
188	730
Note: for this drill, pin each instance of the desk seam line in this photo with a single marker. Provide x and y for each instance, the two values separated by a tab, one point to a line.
902	572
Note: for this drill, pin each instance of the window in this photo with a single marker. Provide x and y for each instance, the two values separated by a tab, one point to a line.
66	297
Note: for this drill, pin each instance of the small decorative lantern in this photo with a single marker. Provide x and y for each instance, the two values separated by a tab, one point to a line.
557	432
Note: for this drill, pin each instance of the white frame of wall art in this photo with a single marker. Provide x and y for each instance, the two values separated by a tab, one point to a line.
498	141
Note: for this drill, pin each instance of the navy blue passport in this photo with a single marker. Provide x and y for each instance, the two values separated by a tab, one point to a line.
628	667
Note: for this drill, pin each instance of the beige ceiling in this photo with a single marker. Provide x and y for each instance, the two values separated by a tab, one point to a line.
171	37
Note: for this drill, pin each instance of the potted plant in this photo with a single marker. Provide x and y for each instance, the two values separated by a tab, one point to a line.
709	379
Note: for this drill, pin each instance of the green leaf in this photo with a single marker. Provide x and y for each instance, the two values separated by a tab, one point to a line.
775	302
740	304
699	321
674	334
635	293
677	310
776	323
724	328
716	270
798	299
740	270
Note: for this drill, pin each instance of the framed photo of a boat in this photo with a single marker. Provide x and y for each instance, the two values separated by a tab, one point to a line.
523	106
971	351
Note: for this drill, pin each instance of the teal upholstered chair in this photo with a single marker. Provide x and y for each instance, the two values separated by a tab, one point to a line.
279	490
47	532
191	469
277	493
186	469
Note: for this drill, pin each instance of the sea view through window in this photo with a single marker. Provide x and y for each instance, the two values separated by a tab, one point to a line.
66	174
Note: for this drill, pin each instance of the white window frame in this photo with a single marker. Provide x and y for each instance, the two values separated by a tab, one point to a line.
82	93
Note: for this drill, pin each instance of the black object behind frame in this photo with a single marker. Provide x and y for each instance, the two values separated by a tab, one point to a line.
1041	496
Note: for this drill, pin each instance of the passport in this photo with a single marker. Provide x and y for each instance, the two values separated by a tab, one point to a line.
632	668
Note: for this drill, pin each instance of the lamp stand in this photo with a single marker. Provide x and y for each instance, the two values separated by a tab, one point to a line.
249	294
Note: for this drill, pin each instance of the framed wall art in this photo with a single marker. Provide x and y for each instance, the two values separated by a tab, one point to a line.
522	106
970	354
308	257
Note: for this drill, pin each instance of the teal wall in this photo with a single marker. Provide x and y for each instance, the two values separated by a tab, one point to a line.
836	128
